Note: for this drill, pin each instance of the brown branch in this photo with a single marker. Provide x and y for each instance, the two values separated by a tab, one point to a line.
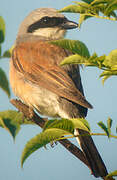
30	114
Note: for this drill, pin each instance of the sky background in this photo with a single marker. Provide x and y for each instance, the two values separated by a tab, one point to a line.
56	163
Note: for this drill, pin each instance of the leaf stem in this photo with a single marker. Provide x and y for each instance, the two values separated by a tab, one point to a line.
103	134
91	134
100	17
65	137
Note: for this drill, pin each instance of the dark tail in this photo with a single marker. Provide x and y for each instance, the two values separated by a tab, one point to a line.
90	151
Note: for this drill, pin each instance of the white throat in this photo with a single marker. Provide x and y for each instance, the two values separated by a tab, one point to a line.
50	33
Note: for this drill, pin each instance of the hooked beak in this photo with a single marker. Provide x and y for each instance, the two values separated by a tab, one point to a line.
69	25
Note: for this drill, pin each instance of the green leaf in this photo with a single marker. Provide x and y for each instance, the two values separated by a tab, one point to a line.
0	50
68	125
4	84
99	8
93	57
7	54
77	59
82	18
105	78
49	123
116	129
97	61
81	123
12	127
63	124
88	1
8	120
103	126
81	8
39	141
82	4
53	130
109	125
15	116
111	7
113	14
96	2
111	59
110	62
74	46
73	9
108	73
11	121
114	173
2	30
74	59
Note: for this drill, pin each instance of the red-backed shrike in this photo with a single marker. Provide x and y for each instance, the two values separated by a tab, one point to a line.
41	83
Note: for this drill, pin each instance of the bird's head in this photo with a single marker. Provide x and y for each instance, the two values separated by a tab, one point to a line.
46	22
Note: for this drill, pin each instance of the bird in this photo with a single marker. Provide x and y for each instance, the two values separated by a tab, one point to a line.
38	80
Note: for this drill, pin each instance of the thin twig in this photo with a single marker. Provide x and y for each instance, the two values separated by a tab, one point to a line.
103	134
100	17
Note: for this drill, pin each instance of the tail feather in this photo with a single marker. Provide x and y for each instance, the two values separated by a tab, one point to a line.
90	151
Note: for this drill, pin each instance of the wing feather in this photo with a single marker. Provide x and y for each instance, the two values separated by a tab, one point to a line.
39	63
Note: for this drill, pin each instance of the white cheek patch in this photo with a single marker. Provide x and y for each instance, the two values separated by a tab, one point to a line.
51	33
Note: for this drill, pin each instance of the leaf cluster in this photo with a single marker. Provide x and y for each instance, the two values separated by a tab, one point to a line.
81	55
104	9
106	128
53	130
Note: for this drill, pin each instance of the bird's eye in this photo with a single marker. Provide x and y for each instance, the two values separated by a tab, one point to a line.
45	20
49	21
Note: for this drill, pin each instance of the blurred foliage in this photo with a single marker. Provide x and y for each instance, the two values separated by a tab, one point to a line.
112	174
2	30
12	120
4	84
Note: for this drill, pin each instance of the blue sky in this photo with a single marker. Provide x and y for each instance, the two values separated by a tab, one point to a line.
56	163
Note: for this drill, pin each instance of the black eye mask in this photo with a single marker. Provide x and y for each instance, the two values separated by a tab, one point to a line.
46	22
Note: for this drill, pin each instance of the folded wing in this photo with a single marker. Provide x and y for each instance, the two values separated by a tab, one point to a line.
39	64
